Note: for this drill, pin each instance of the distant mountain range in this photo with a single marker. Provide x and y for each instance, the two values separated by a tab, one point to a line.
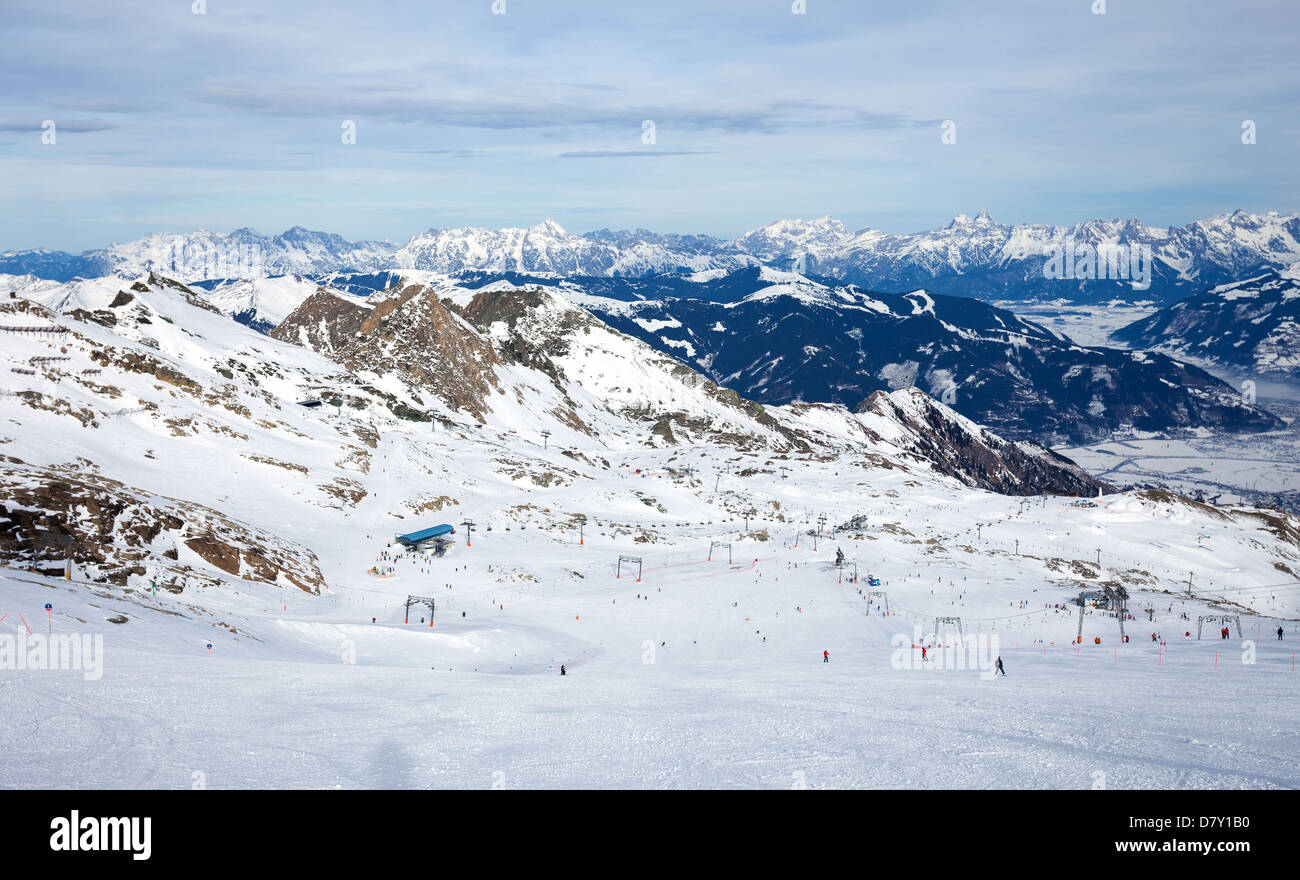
1249	327
971	256
205	255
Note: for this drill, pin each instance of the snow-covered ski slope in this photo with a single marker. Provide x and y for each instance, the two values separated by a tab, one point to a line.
705	673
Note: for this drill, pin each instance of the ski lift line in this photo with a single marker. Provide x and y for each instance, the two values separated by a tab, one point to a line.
1140	564
1289	585
689	559
1044	612
590	569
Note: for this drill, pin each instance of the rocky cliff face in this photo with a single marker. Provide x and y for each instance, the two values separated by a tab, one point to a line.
961	449
407	333
113	531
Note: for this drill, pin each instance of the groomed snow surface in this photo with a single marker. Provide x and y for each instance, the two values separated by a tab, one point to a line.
714	677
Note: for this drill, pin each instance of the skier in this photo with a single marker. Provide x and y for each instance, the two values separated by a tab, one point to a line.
998	667
924	657
1279	633
562	671
826	656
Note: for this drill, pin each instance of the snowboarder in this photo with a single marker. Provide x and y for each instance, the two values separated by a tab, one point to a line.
826	656
998	667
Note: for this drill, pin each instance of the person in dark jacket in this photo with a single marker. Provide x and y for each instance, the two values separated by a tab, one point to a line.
1279	633
562	671
998	667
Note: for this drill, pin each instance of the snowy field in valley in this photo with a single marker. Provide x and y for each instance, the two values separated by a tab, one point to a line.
1085	324
1230	469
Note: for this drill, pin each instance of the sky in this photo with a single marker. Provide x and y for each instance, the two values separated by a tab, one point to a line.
170	115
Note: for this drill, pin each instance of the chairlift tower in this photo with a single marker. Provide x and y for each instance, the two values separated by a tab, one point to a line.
628	560
941	622
1115	601
718	478
1227	619
417	601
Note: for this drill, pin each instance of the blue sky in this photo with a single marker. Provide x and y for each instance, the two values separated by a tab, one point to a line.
167	120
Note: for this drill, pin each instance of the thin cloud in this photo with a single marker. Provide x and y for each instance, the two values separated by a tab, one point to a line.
631	154
453	153
75	125
84	106
490	112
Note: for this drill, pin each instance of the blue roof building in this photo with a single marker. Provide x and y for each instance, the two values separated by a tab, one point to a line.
434	534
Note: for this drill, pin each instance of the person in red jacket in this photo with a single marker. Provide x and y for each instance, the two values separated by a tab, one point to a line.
826	656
